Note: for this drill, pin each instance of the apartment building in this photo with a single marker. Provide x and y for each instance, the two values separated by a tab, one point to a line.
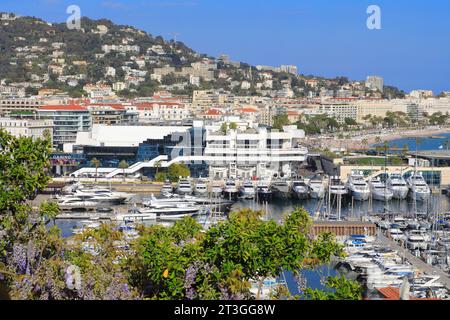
19	105
68	120
29	128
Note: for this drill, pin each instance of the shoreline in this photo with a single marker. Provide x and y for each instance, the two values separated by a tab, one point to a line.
407	134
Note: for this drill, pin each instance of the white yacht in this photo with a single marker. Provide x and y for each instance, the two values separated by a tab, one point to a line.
167	188
216	189
102	195
416	241
142	214
184	187
247	190
72	202
379	190
358	187
300	189
317	187
263	191
201	188
396	234
230	191
337	187
418	188
397	184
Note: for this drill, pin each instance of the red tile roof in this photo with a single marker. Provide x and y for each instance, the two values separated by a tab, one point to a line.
391	293
63	108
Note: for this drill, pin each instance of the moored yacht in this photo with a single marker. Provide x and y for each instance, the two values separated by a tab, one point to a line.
263	191
201	188
300	189
102	195
357	187
167	188
72	202
397	184
247	190
317	187
216	189
418	188
337	187
379	190
230	190
184	187
280	189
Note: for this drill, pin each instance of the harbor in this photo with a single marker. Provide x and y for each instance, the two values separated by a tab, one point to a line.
353	210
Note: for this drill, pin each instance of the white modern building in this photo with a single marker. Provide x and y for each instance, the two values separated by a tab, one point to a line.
255	152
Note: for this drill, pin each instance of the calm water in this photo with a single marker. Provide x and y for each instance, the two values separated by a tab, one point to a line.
425	143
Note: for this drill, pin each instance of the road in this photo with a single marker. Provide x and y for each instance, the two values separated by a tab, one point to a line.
416	262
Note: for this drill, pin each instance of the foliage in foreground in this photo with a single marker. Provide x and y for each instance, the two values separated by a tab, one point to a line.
179	262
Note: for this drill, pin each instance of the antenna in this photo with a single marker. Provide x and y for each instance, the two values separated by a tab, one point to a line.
174	35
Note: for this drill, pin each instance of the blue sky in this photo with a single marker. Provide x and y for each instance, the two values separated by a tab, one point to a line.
321	37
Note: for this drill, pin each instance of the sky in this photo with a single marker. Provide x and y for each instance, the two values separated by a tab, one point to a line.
322	37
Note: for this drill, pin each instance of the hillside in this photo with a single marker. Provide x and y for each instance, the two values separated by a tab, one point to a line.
35	54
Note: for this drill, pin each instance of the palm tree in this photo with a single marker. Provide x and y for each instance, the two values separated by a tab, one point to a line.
157	166
96	163
123	165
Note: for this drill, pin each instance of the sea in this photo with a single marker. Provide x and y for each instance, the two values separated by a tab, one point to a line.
277	209
435	142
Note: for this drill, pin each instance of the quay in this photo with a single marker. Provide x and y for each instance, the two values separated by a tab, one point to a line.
344	228
415	261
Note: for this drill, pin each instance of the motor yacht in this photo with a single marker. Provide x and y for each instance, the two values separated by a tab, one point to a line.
201	188
317	187
300	189
102	195
184	187
167	188
418	188
230	191
263	192
72	203
247	190
357	187
397	184
416	242
337	187
379	190
216	189
280	189
396	234
136	214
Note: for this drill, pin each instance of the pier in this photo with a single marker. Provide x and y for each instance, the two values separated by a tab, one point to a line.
415	261
344	228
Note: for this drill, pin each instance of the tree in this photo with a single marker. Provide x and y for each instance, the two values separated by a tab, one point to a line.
176	171
343	289
280	120
224	128
123	165
184	262
350	122
96	163
233	126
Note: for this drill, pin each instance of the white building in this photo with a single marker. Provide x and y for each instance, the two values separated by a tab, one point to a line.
27	127
254	152
375	83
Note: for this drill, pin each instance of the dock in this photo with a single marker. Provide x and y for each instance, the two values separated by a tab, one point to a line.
415	261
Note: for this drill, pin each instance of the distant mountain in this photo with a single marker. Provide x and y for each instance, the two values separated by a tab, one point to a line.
39	53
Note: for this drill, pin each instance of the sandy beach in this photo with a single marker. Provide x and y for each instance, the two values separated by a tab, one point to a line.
363	140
